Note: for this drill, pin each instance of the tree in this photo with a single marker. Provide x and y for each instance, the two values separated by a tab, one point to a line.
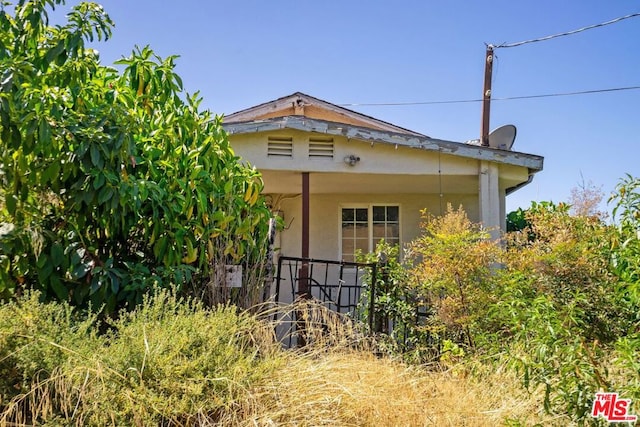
111	182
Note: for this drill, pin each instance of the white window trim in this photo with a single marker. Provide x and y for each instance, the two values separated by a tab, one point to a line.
369	207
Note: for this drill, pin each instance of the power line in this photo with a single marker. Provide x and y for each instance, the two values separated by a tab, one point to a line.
583	92
568	33
510	98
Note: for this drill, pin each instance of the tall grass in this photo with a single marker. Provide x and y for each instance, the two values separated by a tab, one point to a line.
358	389
169	362
174	363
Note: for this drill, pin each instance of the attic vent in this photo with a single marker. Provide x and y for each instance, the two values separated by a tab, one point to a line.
321	147
280	146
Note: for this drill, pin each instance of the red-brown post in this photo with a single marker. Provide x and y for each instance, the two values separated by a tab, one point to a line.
303	283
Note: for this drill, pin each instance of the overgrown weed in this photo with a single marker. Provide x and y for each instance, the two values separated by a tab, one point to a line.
172	362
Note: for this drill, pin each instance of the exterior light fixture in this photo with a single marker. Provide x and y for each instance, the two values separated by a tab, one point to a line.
351	160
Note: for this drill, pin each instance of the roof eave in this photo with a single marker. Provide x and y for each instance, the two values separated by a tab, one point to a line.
531	161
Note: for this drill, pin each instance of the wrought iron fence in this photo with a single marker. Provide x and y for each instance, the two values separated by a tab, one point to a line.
349	288
338	285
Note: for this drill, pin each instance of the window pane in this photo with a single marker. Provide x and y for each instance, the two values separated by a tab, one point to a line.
393	213
378	213
379	231
386	223
362	231
348	230
363	245
355	232
348	247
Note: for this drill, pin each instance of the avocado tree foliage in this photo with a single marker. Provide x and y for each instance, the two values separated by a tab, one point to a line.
111	181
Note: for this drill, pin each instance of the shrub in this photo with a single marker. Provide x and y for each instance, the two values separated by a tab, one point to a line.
37	338
452	271
397	307
626	266
557	313
434	300
556	301
169	362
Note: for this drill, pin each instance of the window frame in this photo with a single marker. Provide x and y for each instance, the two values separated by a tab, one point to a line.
369	207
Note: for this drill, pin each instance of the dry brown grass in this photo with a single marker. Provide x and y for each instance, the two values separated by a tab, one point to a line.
335	381
338	381
358	389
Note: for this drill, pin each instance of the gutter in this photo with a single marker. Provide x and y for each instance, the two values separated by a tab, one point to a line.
519	186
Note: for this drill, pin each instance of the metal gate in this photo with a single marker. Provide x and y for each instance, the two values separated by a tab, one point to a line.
337	284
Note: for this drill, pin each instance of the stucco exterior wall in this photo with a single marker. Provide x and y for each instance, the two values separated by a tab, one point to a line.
376	158
325	221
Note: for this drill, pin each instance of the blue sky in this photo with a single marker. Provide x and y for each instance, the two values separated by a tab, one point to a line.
240	53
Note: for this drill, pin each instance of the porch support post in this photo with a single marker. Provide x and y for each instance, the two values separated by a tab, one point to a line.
305	214
489	195
303	274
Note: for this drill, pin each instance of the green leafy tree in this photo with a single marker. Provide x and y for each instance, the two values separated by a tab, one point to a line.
111	182
626	212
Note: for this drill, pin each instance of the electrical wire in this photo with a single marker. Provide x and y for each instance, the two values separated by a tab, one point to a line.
568	33
510	98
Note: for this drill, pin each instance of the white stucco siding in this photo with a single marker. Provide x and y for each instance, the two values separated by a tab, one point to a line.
378	158
325	221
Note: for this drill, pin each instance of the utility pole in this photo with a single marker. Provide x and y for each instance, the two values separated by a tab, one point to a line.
486	97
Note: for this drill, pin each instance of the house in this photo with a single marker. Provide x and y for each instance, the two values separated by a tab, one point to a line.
342	180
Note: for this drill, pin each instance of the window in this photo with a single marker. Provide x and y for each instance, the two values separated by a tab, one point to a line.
364	226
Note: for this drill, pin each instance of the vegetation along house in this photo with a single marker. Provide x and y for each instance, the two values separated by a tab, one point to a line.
342	180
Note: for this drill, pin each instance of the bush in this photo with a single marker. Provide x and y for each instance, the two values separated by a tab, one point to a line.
37	338
169	362
173	363
452	271
396	307
560	309
434	301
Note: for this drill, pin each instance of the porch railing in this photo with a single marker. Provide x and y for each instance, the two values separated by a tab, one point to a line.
337	284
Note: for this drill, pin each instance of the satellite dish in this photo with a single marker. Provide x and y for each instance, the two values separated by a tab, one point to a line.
502	137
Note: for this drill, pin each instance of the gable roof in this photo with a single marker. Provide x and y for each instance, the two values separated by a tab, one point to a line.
300	104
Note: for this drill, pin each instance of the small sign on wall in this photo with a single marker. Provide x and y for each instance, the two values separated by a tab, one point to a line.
229	276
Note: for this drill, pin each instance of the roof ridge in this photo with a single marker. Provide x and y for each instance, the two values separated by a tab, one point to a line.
329	106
